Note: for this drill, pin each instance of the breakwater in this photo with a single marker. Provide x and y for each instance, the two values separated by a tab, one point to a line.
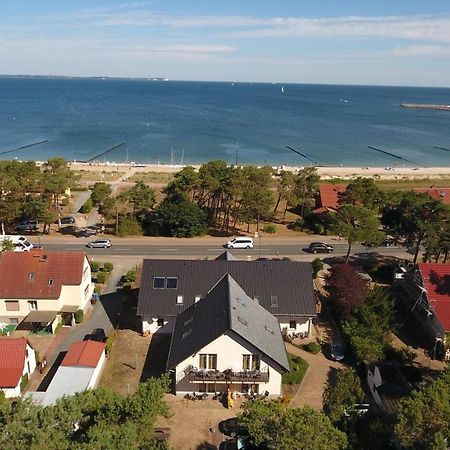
425	106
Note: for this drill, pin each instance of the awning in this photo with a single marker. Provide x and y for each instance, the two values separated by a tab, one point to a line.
69	309
42	317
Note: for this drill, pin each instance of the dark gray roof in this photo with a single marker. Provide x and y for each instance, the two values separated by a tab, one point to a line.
227	309
227	256
291	282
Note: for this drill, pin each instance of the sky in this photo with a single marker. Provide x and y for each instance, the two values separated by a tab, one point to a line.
384	42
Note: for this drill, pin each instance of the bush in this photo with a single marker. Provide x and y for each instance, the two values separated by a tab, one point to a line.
317	266
108	267
270	228
95	266
23	382
131	276
129	226
313	347
297	225
79	316
98	289
58	327
110	342
102	277
87	207
298	370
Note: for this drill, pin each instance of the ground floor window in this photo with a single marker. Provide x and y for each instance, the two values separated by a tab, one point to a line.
160	322
293	324
13	320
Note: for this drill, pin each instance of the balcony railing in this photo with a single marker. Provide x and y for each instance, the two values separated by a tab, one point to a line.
244	376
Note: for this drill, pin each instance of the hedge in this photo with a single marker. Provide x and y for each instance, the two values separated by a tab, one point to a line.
102	277
79	316
95	266
108	267
87	206
298	370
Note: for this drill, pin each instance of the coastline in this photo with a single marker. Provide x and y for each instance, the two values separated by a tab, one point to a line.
340	172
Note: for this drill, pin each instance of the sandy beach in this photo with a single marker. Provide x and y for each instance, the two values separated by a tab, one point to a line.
342	172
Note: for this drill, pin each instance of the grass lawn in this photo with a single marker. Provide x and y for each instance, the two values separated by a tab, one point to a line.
93	175
298	370
152	177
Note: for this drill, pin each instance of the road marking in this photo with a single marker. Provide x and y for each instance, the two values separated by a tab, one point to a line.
168	249
122	249
214	249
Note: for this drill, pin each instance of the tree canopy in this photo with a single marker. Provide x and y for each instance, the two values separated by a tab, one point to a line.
270	423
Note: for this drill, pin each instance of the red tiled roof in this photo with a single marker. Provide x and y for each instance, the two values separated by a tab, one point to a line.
442	194
328	195
60	267
83	354
12	361
436	280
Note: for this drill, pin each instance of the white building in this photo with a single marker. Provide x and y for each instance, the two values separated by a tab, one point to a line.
284	288
227	341
17	359
43	288
79	371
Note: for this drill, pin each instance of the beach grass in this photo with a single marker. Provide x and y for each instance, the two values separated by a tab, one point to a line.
401	183
99	175
152	177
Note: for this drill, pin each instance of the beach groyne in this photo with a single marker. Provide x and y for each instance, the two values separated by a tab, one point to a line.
425	106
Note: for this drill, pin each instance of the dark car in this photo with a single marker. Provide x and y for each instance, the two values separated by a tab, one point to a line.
98	334
320	247
337	352
28	225
67	220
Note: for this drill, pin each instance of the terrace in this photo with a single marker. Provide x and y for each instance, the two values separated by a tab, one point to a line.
228	375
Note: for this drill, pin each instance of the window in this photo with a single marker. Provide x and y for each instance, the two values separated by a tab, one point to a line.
50	282
171	283
85	271
292	324
32	305
12	305
250	362
160	322
179	299
197	298
31	276
274	301
13	320
207	361
159	283
86	291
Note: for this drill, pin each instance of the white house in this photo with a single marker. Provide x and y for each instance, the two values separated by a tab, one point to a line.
284	288
227	341
79	371
43	288
17	359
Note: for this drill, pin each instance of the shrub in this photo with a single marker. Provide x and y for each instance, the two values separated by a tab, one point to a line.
23	382
270	228
313	347
298	370
98	289
297	225
102	277
130	276
108	267
58	327
87	206
95	266
129	226
79	316
317	266
110	342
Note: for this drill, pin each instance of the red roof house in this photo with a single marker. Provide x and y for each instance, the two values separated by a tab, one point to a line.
436	280
442	194
84	354
16	359
327	199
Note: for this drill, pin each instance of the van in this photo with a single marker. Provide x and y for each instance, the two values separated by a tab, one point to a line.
240	242
28	225
20	243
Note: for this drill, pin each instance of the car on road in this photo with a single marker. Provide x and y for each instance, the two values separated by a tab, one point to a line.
28	225
98	334
240	242
337	352
99	243
67	220
319	247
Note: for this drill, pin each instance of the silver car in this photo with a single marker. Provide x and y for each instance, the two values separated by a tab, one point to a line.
99	243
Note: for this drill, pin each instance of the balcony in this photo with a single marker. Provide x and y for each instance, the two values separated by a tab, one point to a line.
227	376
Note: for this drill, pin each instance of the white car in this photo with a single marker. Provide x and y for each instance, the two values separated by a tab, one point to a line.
99	243
240	242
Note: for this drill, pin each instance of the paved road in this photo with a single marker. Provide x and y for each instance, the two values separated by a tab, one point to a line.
212	250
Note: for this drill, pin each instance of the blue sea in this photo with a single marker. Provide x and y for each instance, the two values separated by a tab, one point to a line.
193	122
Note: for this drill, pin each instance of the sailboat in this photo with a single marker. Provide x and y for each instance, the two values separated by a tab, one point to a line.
282	89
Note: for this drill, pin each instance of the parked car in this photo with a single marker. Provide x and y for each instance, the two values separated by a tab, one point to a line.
337	352
358	409
320	247
240	242
28	225
67	220
99	243
98	334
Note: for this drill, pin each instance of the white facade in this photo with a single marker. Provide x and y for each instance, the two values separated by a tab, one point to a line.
78	296
230	350
28	368
295	325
